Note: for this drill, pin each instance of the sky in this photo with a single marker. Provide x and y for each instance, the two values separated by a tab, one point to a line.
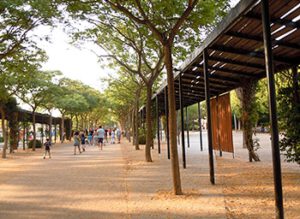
78	64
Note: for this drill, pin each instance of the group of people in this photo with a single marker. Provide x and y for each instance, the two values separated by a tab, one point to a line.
95	137
92	137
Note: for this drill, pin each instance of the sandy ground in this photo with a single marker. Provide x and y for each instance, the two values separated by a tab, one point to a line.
117	183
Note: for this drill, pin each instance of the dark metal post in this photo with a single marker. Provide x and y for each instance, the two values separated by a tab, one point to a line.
272	109
42	134
157	120
167	118
209	131
55	132
182	123
200	126
187	127
24	135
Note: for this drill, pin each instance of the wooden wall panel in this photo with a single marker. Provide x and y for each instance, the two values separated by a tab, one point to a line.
225	123
221	123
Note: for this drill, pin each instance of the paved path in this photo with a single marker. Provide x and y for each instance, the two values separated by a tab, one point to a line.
90	185
113	183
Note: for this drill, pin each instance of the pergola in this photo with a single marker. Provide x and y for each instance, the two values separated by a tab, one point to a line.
40	118
255	40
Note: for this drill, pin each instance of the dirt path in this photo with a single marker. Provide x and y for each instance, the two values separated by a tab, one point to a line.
113	183
117	183
90	185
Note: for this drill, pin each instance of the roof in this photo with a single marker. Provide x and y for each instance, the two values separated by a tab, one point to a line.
236	50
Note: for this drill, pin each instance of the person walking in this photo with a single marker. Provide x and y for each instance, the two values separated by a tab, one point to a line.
47	148
112	141
118	133
82	138
90	136
76	139
101	134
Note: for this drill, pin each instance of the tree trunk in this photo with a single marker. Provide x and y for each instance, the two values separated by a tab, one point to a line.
4	132
149	138
14	131
136	125
62	128
77	122
133	126
172	120
34	130
246	94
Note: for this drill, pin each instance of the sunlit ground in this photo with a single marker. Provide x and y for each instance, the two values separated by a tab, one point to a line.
117	183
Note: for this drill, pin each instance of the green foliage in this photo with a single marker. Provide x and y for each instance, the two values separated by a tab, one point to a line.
142	136
289	114
38	144
1	139
235	105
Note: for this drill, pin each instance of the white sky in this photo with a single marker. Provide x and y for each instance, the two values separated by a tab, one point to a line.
74	63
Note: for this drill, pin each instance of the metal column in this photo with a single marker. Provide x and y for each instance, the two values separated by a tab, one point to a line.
24	135
200	126
187	127
167	118
157	120
42	134
182	123
55	133
209	131
272	108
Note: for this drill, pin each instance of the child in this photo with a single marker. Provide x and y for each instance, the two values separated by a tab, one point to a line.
47	148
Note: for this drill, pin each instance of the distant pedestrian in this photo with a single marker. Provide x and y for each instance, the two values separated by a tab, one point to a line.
90	136
76	139
82	138
106	136
101	134
47	148
118	133
112	141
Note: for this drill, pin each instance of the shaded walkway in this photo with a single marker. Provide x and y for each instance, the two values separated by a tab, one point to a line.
113	183
82	186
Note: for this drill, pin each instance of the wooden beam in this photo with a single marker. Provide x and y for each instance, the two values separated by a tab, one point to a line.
260	39
250	53
274	20
236	62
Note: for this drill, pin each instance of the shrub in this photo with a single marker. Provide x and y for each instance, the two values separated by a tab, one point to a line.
1	139
142	139
38	144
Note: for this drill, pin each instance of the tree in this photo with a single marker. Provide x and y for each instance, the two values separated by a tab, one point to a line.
13	75
130	47
122	102
246	94
174	19
175	25
289	113
34	93
50	95
18	18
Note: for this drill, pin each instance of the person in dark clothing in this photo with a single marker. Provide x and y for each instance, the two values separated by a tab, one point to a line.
47	148
82	137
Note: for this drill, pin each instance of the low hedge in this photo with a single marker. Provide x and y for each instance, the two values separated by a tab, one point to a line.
142	139
38	144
